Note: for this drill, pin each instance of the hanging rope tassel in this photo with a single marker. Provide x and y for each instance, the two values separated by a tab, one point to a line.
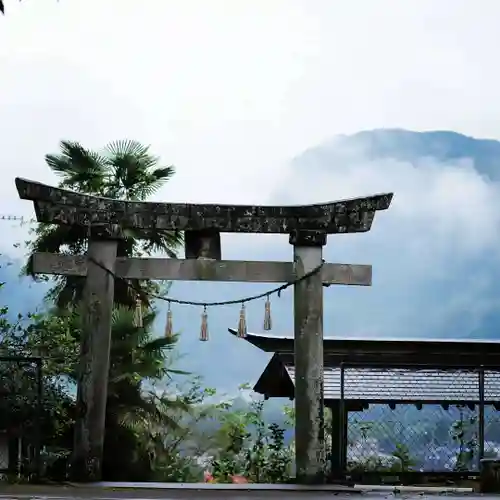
138	323
242	324
267	315
169	331
204	325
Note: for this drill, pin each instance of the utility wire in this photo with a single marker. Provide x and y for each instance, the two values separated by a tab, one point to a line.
12	218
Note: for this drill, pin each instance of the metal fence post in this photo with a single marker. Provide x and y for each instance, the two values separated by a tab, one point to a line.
481	416
38	425
342	433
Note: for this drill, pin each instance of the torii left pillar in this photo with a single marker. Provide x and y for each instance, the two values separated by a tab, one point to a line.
92	388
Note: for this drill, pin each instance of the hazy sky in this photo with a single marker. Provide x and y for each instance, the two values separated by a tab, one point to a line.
230	91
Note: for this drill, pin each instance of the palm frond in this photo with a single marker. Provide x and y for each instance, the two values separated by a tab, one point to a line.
123	323
145	190
81	169
162	241
159	344
135	172
147	421
150	411
124	147
69	291
178	372
166	403
56	238
163	173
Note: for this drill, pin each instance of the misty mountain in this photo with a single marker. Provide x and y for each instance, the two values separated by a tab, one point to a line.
436	271
407	146
429	280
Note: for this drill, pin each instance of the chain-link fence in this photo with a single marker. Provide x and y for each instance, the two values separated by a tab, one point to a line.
406	438
419	419
20	415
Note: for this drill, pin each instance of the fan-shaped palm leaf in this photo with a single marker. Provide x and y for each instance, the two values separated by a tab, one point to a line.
163	242
127	170
127	147
81	169
134	355
134	172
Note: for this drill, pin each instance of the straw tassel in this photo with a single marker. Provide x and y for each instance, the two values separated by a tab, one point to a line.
138	323
204	325
267	315
169	326
242	324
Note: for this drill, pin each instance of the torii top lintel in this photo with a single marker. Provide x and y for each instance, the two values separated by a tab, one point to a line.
60	206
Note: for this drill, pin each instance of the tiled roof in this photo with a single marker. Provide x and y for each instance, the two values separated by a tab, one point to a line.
375	384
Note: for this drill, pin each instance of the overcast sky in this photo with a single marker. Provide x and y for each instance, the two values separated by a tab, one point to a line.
230	91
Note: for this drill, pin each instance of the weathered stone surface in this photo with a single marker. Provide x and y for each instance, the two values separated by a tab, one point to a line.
54	205
94	363
204	244
203	270
106	232
308	346
308	238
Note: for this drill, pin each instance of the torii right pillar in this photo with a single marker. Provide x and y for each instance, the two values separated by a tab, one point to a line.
308	349
354	216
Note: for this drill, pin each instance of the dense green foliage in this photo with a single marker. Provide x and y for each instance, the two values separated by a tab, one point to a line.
155	429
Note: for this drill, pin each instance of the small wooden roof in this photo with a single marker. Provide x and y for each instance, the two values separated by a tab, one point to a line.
405	371
385	386
387	352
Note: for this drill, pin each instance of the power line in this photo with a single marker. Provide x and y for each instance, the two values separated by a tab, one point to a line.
6	217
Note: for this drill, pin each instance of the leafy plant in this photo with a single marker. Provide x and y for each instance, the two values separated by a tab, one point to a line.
404	461
251	448
463	432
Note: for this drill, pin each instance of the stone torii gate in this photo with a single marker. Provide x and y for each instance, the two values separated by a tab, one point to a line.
307	226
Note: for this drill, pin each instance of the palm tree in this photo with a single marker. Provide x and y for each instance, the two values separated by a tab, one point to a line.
136	413
123	170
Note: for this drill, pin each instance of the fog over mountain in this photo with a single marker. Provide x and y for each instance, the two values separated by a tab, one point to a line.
436	266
